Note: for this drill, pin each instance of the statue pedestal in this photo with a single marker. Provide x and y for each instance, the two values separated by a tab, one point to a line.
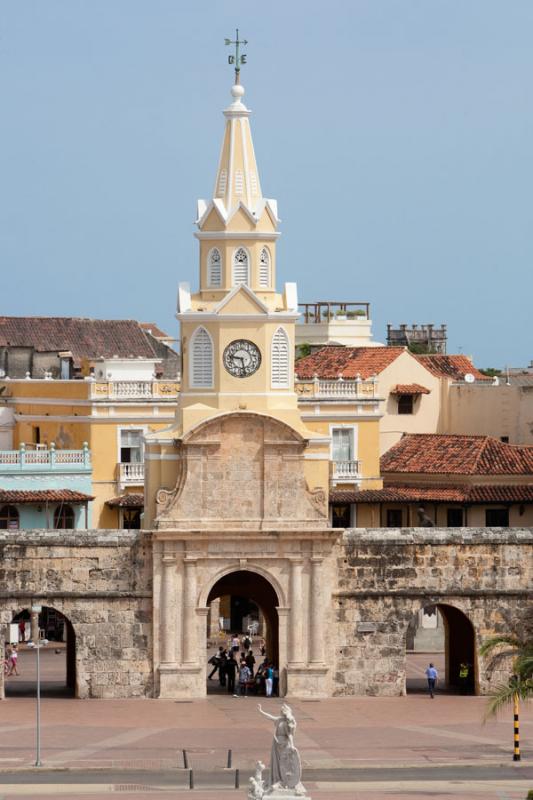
285	794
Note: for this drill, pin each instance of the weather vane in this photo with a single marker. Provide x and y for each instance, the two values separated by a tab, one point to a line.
237	59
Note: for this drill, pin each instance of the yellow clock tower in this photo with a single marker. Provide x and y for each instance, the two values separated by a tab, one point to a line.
237	331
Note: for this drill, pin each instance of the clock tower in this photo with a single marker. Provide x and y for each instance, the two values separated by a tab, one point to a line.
236	490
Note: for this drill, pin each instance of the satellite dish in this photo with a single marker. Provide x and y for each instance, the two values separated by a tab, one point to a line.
469	378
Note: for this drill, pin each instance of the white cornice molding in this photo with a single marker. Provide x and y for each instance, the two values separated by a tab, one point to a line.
107	420
207	316
259	235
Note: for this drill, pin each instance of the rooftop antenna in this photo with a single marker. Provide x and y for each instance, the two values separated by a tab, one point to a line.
237	59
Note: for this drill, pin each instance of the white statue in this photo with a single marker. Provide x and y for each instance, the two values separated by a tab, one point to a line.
285	766
256	788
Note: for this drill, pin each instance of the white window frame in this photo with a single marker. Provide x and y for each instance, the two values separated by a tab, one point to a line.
248	267
210	282
192	382
142	428
354	429
277	383
262	284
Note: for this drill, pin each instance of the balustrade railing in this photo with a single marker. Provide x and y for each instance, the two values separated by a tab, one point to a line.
134	390
41	460
345	470
131	474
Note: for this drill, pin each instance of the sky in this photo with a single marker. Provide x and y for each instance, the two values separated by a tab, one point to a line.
396	135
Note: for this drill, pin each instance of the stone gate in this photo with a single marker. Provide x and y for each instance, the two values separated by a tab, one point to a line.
344	603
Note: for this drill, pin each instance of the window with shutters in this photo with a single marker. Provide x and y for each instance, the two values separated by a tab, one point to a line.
240	266
214	268
239	180
222	182
280	360
201	363
264	269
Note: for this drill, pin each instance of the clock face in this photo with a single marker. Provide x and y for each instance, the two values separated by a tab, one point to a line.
242	358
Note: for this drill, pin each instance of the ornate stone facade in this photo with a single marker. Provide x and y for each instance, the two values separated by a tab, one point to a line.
342	613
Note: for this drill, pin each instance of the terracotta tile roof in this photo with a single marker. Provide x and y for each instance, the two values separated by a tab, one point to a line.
154	330
84	338
450	366
332	361
449	454
410	388
466	495
43	496
132	500
407	494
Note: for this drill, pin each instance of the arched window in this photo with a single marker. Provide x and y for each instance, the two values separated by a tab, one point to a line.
264	269
280	360
214	268
201	360
64	517
240	266
9	518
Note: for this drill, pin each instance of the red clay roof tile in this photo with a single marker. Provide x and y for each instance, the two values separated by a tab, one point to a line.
43	496
410	388
449	454
451	366
332	361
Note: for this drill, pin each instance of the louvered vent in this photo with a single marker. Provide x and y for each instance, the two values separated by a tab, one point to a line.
264	269
214	268
240	266
201	359
280	360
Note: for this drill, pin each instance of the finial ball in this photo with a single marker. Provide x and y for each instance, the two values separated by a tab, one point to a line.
237	91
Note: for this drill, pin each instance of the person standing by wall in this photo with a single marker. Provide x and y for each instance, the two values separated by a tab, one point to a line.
433	676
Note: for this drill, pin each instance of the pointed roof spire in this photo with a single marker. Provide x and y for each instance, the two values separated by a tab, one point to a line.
237	179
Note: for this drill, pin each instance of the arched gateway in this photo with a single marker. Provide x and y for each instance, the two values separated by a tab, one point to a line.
241	514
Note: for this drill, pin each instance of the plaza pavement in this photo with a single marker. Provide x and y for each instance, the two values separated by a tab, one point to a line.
411	731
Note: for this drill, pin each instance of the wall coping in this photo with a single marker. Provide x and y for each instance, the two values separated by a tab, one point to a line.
438	536
73	538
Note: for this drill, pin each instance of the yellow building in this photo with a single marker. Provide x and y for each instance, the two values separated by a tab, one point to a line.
87	382
237	331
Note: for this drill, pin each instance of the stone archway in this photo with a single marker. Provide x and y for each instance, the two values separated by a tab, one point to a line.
249	586
456	647
57	656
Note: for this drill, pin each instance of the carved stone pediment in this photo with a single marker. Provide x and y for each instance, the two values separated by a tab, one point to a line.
243	470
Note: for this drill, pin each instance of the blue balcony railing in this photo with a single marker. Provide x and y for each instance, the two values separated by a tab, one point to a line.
45	460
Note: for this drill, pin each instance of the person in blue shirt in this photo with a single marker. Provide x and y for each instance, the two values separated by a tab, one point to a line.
432	675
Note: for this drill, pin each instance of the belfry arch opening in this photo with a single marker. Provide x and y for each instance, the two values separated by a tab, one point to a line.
442	635
57	653
242	604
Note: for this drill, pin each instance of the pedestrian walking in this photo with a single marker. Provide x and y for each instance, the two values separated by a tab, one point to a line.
231	669
250	662
269	680
12	661
433	676
244	677
464	674
235	643
215	662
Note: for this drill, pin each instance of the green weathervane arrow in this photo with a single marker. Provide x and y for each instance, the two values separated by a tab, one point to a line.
237	59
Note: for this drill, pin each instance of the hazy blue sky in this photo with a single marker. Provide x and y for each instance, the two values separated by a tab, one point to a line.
396	135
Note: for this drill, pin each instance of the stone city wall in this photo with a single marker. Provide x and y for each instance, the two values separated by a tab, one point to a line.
101	581
384	578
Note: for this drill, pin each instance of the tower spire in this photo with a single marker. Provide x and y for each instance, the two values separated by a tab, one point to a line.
238	58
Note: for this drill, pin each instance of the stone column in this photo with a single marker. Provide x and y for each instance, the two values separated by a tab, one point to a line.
214	615
283	618
297	617
190	645
316	612
34	626
168	610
